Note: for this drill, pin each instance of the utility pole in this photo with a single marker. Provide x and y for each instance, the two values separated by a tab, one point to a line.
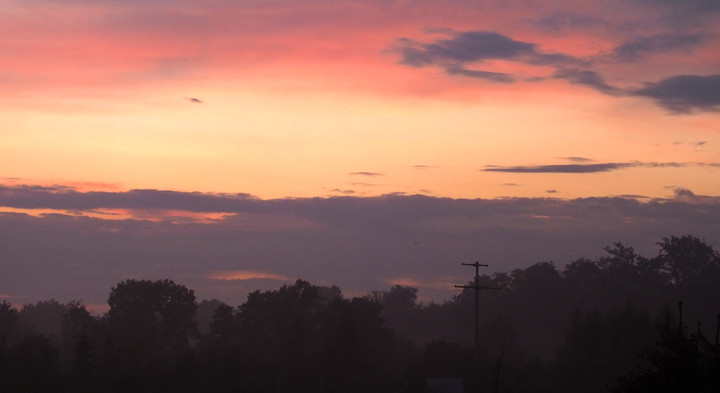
477	287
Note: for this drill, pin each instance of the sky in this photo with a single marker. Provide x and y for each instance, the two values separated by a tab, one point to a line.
233	145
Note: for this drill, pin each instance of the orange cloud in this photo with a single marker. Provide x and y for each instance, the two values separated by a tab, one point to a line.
170	215
154	215
227	275
407	282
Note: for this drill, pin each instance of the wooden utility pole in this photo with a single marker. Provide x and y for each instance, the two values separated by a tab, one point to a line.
477	287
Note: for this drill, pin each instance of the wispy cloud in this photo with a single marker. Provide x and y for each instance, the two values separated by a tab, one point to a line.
586	168
696	145
370	174
588	78
639	47
576	159
343	191
499	77
564	21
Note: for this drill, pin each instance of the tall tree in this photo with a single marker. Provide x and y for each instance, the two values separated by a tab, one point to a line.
692	275
44	317
686	260
162	311
79	350
398	309
8	322
150	325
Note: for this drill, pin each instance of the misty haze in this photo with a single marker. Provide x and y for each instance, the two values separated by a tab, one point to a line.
597	324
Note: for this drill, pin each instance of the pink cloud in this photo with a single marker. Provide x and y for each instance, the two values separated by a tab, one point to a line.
112	44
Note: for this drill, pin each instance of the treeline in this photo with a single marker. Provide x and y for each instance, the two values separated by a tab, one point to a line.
594	326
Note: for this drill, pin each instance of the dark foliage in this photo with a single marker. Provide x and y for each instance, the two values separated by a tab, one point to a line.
679	362
588	327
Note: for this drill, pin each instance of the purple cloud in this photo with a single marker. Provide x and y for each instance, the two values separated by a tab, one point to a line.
462	49
356	243
682	94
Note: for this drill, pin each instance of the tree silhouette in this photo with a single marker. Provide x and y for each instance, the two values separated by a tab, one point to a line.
79	350
8	322
32	367
44	317
691	271
204	314
399	308
569	330
150	325
687	260
599	348
679	362
162	311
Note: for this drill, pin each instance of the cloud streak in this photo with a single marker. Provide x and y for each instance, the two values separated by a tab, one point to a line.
588	78
369	174
576	159
588	168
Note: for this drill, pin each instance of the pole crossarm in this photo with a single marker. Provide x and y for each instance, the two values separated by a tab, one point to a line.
476	287
476	283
